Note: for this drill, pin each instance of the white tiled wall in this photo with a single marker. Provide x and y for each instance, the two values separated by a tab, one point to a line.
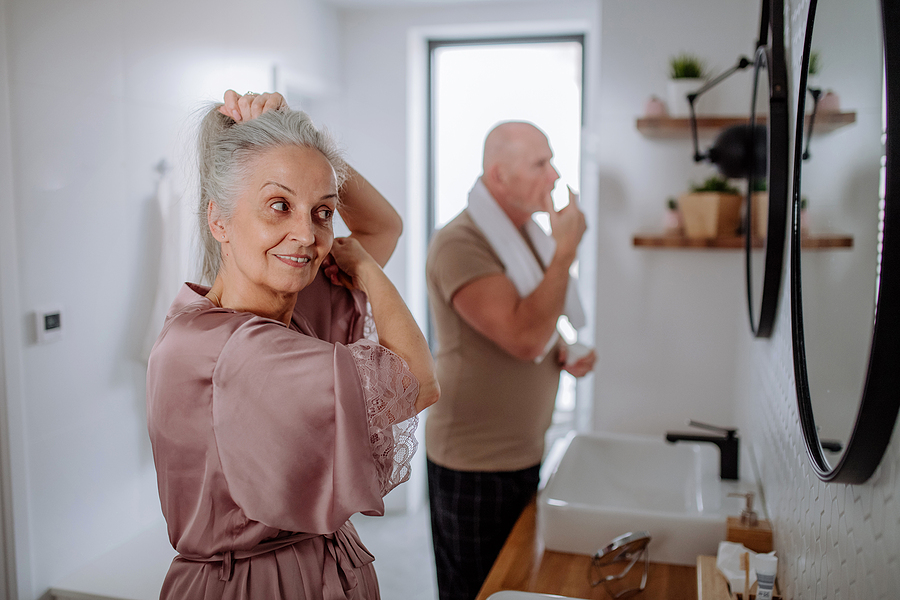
834	541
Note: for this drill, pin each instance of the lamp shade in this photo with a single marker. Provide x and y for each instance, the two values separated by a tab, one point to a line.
740	151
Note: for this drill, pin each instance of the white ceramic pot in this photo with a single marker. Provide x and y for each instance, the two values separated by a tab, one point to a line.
678	89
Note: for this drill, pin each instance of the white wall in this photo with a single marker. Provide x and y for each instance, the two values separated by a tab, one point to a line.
667	320
99	92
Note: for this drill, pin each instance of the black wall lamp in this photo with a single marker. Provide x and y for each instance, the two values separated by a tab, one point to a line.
739	151
733	149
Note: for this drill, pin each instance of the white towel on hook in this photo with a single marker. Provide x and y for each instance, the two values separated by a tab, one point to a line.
169	278
522	267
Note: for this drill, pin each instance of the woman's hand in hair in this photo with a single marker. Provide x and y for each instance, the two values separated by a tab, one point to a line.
249	106
347	263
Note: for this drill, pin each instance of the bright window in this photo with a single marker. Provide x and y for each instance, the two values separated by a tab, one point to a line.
476	84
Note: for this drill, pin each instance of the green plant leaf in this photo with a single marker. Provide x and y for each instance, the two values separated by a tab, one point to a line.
716	183
685	65
815	62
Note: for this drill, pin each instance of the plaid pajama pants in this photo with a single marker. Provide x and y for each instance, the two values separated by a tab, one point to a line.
472	513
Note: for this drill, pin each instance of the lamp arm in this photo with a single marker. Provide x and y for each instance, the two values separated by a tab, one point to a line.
697	156
815	93
742	63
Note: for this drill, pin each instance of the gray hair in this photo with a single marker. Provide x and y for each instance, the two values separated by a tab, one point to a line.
226	150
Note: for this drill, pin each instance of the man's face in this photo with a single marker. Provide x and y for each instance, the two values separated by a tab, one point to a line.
532	175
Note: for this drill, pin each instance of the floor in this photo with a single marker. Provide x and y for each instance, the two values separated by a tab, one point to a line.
404	560
401	544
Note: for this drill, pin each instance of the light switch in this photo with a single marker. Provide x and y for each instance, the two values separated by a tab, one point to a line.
48	324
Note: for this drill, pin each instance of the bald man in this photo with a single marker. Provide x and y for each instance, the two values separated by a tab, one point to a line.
498	356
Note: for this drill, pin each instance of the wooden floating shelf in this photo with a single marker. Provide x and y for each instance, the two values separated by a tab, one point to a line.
736	242
666	127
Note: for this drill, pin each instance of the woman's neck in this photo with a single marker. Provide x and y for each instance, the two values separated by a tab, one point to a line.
264	303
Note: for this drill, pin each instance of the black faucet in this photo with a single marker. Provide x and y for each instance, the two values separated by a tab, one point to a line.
727	442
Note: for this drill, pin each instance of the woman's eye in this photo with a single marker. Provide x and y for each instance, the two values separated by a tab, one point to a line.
325	213
280	206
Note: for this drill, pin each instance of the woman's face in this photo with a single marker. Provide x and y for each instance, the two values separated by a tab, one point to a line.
281	229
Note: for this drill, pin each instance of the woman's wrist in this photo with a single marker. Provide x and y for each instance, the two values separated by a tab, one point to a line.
367	275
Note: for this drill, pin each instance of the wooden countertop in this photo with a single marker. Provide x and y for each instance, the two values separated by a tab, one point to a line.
523	565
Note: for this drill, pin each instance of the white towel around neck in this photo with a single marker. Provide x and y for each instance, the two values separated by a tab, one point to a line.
522	267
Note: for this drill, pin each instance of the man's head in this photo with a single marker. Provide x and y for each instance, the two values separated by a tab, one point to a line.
518	171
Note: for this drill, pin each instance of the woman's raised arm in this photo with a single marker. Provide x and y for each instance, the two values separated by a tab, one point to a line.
370	217
397	329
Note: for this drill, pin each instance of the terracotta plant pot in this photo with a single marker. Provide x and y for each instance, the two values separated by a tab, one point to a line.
760	214
710	214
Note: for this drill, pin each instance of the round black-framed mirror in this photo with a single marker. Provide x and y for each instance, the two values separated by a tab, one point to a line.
767	182
880	391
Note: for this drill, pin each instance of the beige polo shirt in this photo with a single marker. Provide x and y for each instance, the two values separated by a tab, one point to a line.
494	409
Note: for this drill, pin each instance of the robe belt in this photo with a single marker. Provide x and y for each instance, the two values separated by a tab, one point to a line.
344	554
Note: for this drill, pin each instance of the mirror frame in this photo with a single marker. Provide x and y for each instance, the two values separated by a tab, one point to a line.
762	319
880	400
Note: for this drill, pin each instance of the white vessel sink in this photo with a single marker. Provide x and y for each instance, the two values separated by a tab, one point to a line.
606	485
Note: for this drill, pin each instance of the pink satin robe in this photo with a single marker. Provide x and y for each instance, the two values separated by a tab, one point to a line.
267	438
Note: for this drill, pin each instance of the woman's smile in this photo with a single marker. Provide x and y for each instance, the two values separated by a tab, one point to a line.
293	260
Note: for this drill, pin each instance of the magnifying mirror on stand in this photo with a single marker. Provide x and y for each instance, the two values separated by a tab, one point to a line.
611	565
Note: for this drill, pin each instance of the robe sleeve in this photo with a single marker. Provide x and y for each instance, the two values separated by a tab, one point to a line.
292	431
331	312
390	390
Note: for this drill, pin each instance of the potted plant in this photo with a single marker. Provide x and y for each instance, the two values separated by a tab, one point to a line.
815	64
687	74
804	216
812	73
829	102
711	209
672	220
759	215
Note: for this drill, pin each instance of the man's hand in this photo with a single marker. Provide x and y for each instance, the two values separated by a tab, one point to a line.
580	367
250	105
568	226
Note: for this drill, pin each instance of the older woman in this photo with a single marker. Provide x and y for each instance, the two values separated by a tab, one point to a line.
272	418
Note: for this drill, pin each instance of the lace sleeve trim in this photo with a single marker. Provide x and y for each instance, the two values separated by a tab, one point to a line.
390	391
370	332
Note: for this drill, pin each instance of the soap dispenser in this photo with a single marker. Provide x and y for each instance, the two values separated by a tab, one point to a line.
748	529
